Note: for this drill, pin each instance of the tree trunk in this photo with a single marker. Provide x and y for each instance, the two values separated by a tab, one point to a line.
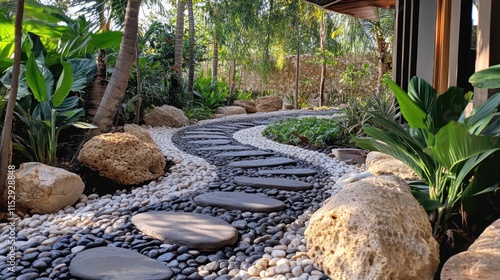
5	143
384	64
115	91
215	60
322	43
191	49
179	38
297	71
139	86
98	86
232	80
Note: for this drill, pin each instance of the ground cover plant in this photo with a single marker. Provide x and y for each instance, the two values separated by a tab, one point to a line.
310	132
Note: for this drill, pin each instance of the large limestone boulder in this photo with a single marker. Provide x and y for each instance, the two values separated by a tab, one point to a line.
139	132
480	261
383	164
269	104
373	229
350	155
166	115
249	105
44	189
123	157
230	110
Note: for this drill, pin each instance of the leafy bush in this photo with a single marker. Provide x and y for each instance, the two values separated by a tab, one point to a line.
311	131
211	92
450	152
198	113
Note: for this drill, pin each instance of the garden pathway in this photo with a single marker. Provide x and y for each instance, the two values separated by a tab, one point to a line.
203	232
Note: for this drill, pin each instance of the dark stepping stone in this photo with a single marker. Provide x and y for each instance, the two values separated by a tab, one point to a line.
240	201
204	132
207	129
235	125
262	162
245	154
210	142
272	183
225	127
225	148
246	124
297	172
113	263
262	122
196	231
205	136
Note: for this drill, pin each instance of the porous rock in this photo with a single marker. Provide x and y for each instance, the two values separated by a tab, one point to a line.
249	105
383	164
166	115
373	229
269	104
350	155
123	158
44	189
480	261
139	132
230	110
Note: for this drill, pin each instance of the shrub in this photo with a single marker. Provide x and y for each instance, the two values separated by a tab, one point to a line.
311	131
198	113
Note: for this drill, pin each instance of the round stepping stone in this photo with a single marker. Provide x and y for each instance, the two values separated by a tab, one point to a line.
205	136
196	231
240	201
245	154
225	148
296	172
210	142
272	183
262	162
204	132
113	263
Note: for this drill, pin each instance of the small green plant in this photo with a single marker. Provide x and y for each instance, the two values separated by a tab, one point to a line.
198	113
311	131
212	93
450	152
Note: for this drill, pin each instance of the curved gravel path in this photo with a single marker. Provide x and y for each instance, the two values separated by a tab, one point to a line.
270	245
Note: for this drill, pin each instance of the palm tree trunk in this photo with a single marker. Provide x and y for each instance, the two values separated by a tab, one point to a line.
215	60
297	71
191	49
322	44
384	64
179	38
5	144
115	91
98	87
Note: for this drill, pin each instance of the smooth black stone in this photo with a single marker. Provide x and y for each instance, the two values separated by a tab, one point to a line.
275	183
210	142
198	132
296	172
28	276
262	162
245	154
225	148
205	136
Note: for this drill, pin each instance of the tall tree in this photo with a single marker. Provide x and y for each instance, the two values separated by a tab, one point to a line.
191	48
322	33
179	37
6	138
115	91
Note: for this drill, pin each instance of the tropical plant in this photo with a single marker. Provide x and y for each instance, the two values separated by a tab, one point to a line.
445	148
212	93
310	131
198	113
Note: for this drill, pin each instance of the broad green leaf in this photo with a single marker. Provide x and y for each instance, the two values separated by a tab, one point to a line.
423	94
482	115
427	203
83	71
493	128
486	78
83	125
449	107
63	85
413	114
68	103
35	80
454	144
107	40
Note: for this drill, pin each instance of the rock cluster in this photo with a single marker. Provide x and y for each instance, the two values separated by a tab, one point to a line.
166	115
269	103
373	229
123	157
249	105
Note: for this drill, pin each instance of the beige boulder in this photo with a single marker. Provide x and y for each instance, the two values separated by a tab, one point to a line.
373	229
123	157
249	105
44	189
480	261
139	132
350	155
269	104
230	110
383	164
166	115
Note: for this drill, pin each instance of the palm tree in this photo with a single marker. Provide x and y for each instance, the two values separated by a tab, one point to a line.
6	138
322	43
191	48
115	91
179	37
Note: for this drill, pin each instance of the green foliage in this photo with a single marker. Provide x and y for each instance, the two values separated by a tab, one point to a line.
244	95
486	78
198	113
351	81
441	145
212	93
310	131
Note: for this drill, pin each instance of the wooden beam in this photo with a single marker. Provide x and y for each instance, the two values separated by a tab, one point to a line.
442	49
